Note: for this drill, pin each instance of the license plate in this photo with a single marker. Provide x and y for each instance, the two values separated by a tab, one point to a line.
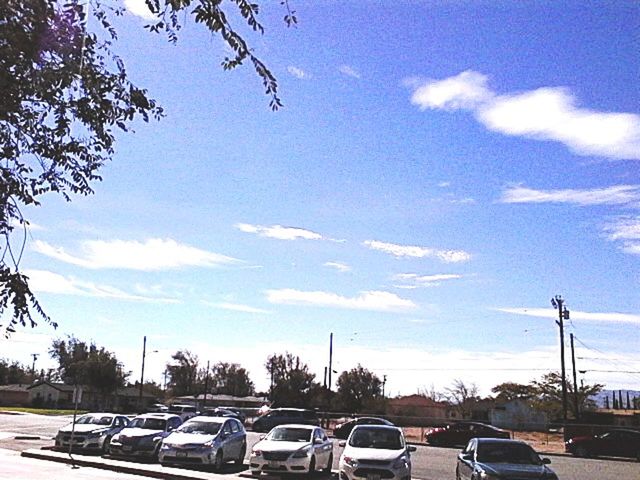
373	476
274	464
181	454
127	448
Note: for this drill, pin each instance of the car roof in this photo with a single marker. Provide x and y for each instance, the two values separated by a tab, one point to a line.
376	427
287	409
162	416
98	414
296	425
500	440
208	419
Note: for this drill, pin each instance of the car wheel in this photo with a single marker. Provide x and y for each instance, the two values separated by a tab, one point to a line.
219	461
255	473
312	466
329	466
581	452
243	451
105	445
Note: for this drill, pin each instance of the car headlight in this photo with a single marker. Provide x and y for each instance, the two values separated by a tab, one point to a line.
352	462
96	434
303	452
400	462
257	453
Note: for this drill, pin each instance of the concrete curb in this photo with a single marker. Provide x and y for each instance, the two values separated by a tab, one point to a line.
149	471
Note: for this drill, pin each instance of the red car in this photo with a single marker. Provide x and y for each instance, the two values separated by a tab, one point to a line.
461	432
614	443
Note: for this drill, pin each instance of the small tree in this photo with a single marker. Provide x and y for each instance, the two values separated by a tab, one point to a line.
358	389
463	397
291	381
231	379
183	373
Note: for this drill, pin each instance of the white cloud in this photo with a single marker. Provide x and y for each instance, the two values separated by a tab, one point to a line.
424	280
279	232
464	91
575	315
139	8
543	114
349	71
43	281
371	300
615	195
627	230
448	256
153	254
297	72
444	184
236	307
342	267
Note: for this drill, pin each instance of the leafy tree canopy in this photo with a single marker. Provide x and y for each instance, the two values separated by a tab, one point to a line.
291	382
231	379
65	93
358	389
183	373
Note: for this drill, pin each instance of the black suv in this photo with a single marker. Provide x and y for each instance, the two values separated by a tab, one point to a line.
281	416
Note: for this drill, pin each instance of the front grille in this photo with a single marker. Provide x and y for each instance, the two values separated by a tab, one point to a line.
382	463
365	472
168	459
277	456
76	438
128	440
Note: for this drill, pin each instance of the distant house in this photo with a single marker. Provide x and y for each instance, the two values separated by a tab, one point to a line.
418	410
61	395
15	395
518	414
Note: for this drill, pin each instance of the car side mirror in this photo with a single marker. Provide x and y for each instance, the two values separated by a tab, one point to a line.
317	441
546	461
411	448
262	437
342	443
468	457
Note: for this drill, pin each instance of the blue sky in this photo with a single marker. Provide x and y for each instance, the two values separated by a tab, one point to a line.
439	171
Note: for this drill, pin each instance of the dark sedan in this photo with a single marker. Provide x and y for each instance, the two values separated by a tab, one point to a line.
614	443
342	430
460	433
493	458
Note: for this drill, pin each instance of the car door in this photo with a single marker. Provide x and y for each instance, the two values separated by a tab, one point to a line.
322	447
229	449
466	460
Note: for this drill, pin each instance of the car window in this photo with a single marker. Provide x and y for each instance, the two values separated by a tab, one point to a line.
204	428
227	428
234	426
288	434
148	423
387	439
516	453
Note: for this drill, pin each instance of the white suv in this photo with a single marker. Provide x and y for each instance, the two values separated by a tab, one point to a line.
375	452
184	411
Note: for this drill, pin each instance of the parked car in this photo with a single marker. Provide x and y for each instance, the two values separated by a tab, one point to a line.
158	408
461	432
92	431
282	416
616	443
376	452
239	413
184	411
142	437
493	458
292	449
342	430
210	441
223	412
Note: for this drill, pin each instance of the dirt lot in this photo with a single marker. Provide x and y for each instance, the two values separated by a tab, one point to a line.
540	441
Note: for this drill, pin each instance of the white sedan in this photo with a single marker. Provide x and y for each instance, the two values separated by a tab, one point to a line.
376	452
292	449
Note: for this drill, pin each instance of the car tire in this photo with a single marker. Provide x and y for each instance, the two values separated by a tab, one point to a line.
255	473
312	466
329	466
219	461
105	445
243	451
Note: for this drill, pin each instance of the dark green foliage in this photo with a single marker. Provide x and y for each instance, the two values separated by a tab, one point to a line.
183	375
12	372
358	390
291	383
231	379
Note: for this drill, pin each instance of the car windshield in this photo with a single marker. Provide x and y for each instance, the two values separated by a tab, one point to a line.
94	419
290	435
148	423
204	428
507	453
377	438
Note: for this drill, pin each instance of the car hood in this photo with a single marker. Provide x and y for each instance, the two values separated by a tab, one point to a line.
180	438
509	470
372	453
84	428
271	446
139	432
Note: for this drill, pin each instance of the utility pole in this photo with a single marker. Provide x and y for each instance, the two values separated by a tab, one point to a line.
206	387
563	314
33	365
330	358
144	354
384	382
575	380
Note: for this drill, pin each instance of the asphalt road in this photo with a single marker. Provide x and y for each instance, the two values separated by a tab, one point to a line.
429	463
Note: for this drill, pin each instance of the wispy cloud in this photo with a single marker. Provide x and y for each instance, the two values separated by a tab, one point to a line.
280	232
43	281
237	307
349	71
371	300
139	8
447	256
153	254
541	114
342	267
615	195
297	72
414	280
575	315
627	230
